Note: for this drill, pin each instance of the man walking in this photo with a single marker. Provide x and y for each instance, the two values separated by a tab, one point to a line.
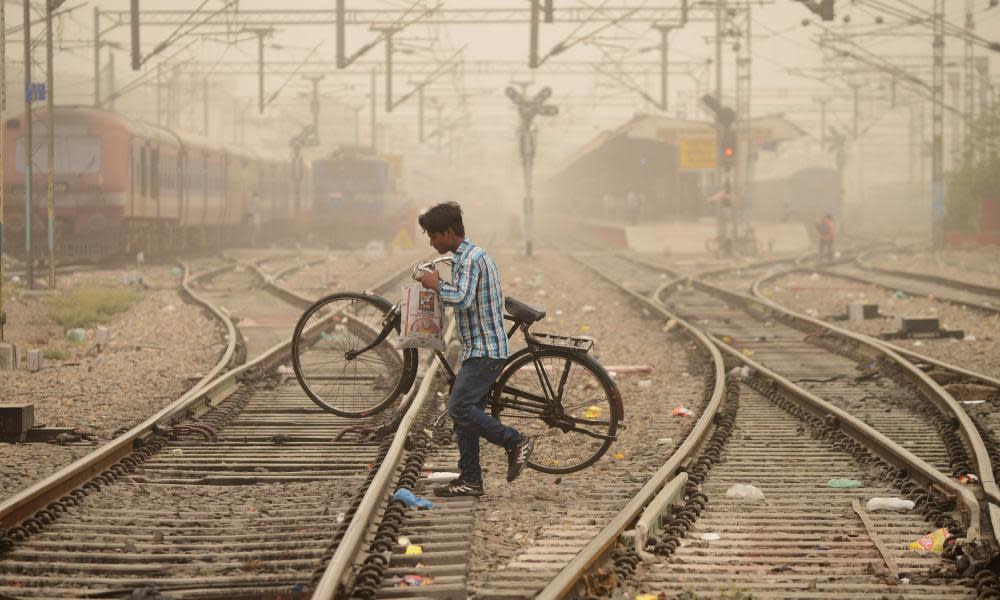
826	235
477	299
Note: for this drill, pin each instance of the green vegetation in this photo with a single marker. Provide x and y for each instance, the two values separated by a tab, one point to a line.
89	305
55	354
979	174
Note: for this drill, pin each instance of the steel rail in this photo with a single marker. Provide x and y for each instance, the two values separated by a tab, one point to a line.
36	497
601	545
986	290
338	569
908	290
941	397
930	388
864	433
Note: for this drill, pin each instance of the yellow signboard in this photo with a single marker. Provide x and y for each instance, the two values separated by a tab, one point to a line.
697	153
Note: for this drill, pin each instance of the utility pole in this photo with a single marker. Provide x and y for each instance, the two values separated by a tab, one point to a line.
533	34
28	145
969	71
50	117
823	102
664	63
261	34
159	93
720	6
204	106
937	128
374	108
3	119
111	78
314	103
97	56
955	83
420	114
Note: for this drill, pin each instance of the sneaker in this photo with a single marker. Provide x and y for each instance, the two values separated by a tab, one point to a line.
460	488
518	456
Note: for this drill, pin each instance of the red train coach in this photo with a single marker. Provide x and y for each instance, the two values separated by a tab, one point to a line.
123	186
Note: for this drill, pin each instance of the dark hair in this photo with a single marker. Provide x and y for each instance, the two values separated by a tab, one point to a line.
440	217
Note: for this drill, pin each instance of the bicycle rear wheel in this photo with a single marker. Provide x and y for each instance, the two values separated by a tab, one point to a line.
575	430
346	386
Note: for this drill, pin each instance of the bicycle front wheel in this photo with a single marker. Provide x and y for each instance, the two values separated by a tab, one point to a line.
340	383
576	424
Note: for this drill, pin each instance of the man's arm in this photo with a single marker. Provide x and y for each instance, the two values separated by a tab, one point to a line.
461	293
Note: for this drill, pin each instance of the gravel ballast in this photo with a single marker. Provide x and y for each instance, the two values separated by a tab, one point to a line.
158	348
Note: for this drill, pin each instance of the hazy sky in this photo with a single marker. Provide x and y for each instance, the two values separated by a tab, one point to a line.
472	105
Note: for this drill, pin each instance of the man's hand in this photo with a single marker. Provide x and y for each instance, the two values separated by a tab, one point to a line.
431	280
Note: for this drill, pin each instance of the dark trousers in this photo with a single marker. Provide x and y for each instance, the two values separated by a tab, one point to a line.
825	250
465	406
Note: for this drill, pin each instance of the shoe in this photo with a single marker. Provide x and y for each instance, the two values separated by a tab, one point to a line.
460	488
518	456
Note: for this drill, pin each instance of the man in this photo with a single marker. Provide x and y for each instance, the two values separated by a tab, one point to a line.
476	297
824	227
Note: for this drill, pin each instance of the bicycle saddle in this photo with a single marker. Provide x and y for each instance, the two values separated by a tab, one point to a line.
525	313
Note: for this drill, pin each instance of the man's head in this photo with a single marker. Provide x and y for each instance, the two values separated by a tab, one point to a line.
443	225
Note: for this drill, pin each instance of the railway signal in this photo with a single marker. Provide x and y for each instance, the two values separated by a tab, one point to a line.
527	137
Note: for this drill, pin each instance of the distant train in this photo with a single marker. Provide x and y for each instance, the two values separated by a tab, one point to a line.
123	186
355	197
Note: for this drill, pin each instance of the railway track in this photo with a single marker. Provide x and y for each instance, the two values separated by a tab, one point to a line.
864	270
769	447
271	469
234	489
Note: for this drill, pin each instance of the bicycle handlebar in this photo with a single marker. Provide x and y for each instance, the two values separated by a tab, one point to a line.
427	267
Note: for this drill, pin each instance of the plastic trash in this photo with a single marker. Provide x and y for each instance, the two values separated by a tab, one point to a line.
414	580
413	550
410	499
888	504
647	597
711	536
403	541
671	324
932	542
645	383
843	483
76	335
443	476
968	478
899	294
592	412
743	491
618	456
588	308
665	440
681	411
969	338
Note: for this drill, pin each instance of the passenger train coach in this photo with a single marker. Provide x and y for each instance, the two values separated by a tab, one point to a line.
124	186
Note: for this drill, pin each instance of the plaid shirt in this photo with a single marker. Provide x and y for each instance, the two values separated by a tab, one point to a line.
478	302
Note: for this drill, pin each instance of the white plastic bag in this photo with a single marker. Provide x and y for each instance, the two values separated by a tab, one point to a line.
742	491
889	504
422	318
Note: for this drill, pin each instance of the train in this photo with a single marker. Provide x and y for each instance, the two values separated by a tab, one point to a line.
124	186
355	197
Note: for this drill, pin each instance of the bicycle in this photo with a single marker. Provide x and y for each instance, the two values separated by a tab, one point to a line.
552	389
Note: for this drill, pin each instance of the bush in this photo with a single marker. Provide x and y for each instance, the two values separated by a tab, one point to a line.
55	354
90	305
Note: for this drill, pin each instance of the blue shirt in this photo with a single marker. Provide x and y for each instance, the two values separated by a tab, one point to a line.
478	302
